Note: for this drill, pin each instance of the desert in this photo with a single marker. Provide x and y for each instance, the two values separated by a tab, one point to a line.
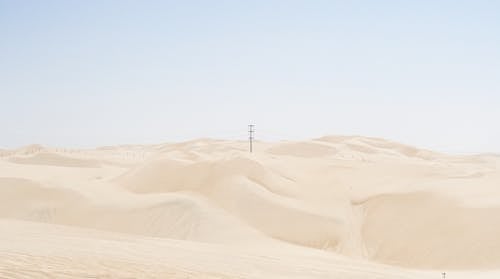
330	207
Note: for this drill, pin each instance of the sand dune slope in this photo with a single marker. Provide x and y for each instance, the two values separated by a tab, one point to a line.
173	216
426	230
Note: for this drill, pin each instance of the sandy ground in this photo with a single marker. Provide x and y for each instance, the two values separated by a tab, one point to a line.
334	207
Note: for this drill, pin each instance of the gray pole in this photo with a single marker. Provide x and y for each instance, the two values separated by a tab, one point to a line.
250	136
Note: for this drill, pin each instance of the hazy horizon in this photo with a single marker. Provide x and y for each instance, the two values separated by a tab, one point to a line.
84	74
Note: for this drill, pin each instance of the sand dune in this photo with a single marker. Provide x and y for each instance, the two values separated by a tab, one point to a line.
333	207
303	149
53	159
174	216
425	230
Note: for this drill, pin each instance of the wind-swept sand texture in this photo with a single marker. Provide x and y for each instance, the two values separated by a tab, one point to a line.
333	207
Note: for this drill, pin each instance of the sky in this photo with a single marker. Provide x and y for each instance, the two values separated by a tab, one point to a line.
91	73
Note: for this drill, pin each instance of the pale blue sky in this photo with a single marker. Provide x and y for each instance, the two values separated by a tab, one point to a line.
87	73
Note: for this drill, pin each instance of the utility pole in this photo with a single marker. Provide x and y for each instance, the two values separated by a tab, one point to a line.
250	136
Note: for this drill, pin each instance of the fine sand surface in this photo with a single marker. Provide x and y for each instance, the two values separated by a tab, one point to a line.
333	207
